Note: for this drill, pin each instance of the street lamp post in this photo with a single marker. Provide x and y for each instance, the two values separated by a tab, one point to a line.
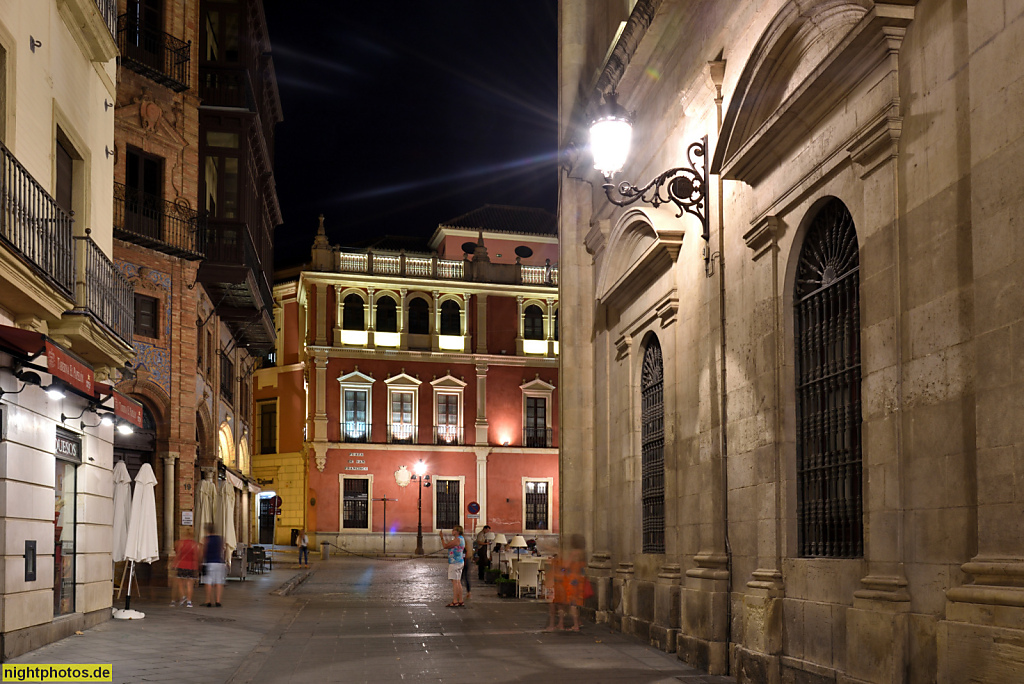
423	479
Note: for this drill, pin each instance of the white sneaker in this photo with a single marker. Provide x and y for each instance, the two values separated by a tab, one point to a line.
188	604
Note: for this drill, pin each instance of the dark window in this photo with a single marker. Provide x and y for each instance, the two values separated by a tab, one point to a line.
143	202
828	403
447	504
356	428
450	323
535	432
65	177
146	315
536	506
419	317
652	449
533	323
268	427
387	315
352	313
555	331
356	504
227	378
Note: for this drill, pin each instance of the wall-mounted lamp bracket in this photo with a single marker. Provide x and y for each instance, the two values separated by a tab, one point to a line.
33	43
107	104
684	186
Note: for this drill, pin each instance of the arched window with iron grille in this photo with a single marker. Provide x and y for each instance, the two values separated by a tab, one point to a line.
652	448
828	400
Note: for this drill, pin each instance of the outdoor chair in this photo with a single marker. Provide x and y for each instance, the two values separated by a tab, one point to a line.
529	573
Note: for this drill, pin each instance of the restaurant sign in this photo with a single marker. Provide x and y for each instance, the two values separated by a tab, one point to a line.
68	446
69	369
128	408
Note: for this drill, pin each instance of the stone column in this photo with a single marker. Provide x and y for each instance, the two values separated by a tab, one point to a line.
481	483
338	310
320	408
519	325
464	319
371	317
481	323
549	327
321	314
403	315
435	322
169	496
481	404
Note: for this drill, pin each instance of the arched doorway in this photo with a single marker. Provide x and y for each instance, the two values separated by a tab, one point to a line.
137	449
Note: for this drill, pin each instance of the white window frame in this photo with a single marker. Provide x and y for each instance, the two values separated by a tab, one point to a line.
537	388
551	493
462	500
449	385
341	504
404	382
358	382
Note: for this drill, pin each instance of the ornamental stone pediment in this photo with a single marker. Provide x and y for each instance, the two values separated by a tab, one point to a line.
812	58
643	244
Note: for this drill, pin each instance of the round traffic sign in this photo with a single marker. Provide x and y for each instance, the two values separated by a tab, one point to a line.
473	507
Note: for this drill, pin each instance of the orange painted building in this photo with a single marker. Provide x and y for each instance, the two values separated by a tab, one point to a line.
402	353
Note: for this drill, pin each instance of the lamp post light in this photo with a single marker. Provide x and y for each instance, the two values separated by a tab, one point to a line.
611	132
420	475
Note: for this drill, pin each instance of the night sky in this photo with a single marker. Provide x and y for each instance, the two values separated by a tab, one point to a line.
398	116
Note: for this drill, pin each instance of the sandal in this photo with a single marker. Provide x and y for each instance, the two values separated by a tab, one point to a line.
460	604
452	605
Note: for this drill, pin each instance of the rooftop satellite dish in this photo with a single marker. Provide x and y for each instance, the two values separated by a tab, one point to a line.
524	252
468	247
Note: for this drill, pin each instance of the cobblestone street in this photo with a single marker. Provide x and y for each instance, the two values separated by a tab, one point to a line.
361	620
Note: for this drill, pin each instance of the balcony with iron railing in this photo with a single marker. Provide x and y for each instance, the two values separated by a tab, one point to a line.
153	222
102	291
448	435
535	437
157	55
355	431
226	87
402	433
33	227
108	10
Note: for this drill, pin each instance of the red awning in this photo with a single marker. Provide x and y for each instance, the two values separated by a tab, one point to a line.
61	363
124	406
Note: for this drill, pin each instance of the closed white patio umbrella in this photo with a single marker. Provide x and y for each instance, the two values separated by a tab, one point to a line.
204	515
122	508
142	545
226	517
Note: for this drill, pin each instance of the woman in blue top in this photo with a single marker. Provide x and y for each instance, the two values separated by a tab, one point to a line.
456	561
214	567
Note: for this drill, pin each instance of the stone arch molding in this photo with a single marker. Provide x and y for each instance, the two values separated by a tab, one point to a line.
810	58
643	244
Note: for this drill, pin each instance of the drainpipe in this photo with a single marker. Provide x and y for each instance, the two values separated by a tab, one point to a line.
716	70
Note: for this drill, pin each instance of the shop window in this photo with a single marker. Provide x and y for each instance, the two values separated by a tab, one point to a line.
536	504
68	454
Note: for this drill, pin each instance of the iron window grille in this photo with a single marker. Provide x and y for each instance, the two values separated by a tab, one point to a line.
447	502
356	504
536	506
828	399
652	448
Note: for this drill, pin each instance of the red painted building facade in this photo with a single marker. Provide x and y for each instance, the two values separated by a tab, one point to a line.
444	352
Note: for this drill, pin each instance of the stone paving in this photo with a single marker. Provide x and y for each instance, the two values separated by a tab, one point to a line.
361	620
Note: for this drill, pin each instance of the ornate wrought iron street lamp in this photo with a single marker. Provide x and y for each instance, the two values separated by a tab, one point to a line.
611	133
420	475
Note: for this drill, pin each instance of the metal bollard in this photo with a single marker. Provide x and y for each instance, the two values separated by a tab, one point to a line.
325	551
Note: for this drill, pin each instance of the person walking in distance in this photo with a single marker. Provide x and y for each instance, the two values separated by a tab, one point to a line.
456	561
481	547
214	569
303	542
186	562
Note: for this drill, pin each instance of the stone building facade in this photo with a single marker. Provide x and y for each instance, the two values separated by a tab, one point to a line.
795	445
412	351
